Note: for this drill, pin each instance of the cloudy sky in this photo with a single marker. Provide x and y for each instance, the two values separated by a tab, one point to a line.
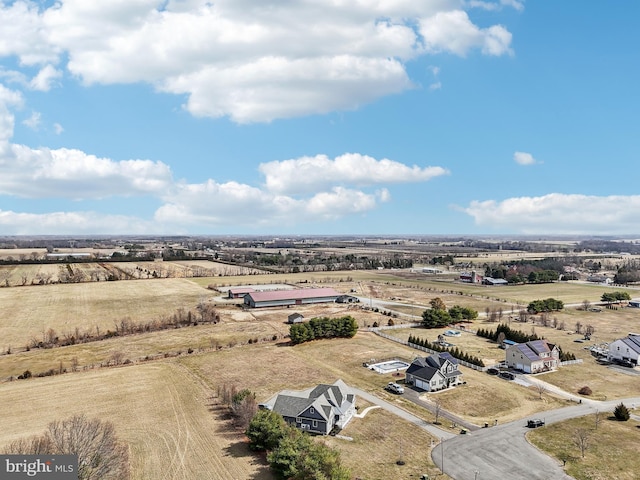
319	117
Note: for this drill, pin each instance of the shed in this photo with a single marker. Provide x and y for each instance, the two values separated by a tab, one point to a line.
295	318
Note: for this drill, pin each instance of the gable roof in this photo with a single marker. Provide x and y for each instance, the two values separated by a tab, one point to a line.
633	342
326	399
533	349
428	367
293	294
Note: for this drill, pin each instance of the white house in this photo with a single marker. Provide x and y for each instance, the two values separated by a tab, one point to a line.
625	349
533	357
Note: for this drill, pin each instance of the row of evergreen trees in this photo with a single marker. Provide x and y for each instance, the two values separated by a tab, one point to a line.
509	334
323	327
455	352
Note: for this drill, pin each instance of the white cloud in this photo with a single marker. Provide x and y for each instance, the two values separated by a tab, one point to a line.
524	158
45	78
8	98
453	32
316	173
15	223
492	6
435	86
58	128
68	173
232	204
251	60
558	213
33	122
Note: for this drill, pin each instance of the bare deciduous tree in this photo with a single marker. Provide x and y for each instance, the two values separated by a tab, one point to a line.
100	454
581	437
586	305
541	388
437	410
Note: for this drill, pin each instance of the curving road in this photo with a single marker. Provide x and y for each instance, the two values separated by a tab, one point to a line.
503	451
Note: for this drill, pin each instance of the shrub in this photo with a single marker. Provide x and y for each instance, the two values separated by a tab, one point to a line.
585	391
621	412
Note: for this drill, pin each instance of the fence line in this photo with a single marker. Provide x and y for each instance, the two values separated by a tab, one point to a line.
424	349
571	362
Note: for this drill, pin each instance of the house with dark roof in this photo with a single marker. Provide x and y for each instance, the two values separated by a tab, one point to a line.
625	349
317	409
533	357
435	372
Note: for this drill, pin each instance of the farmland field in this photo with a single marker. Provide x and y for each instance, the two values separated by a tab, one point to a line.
162	407
160	410
28	311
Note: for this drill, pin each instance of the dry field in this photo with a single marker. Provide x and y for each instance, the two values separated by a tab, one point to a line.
160	410
28	311
166	401
607	457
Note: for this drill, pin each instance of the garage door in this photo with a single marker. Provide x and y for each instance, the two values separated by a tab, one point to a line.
422	384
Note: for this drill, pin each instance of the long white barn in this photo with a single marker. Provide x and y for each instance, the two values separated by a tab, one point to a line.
280	298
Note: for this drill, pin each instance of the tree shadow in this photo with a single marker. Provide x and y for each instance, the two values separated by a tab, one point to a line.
241	450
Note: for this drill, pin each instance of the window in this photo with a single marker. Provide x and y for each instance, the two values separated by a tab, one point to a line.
312	410
315	424
298	420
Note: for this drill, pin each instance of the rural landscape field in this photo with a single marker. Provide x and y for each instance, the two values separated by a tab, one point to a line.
151	348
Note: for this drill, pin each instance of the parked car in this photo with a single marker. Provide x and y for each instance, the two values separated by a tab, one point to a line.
508	375
395	388
535	423
493	371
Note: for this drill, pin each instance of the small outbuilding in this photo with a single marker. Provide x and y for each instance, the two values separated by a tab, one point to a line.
295	318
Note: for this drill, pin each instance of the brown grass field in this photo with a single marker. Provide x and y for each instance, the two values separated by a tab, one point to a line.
612	453
27	311
162	408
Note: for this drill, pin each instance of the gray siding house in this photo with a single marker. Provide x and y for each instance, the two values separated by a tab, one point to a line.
435	372
316	410
626	349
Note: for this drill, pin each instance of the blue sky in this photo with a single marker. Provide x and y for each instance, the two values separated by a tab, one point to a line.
319	117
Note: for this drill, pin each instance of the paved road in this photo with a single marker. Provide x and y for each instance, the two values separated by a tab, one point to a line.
432	429
503	451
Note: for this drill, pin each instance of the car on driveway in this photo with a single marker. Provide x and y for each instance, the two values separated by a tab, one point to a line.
508	375
535	423
395	388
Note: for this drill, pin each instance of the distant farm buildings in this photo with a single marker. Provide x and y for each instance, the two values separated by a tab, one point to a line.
470	277
281	298
239	292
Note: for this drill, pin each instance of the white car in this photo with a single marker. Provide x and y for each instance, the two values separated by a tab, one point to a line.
395	388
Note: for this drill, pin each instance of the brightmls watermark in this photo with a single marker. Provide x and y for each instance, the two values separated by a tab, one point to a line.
45	467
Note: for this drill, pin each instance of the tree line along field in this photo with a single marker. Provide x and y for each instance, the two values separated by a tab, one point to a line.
264	367
80	272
